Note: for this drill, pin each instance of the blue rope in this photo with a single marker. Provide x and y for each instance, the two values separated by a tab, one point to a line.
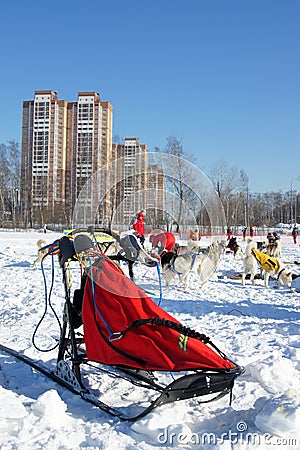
172	376
47	301
160	283
94	301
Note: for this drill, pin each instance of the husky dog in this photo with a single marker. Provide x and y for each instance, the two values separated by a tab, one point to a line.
271	266
204	264
273	245
234	247
274	268
189	247
182	265
40	243
215	250
249	261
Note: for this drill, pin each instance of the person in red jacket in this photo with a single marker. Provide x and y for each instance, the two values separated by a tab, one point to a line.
251	231
170	241
164	241
229	233
139	225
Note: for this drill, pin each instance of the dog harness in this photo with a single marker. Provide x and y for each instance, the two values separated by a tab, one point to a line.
191	255
266	261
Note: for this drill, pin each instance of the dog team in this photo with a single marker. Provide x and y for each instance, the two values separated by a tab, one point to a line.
178	261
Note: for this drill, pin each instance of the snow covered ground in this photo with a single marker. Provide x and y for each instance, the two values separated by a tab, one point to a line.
257	328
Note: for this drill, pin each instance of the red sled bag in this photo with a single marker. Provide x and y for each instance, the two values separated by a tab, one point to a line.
125	327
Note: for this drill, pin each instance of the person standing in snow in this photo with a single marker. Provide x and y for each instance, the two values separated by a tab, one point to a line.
244	233
163	241
251	231
295	233
139	225
229	233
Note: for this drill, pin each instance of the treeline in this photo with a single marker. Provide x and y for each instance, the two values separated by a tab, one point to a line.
241	207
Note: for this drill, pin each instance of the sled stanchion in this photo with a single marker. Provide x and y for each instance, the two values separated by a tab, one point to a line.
68	320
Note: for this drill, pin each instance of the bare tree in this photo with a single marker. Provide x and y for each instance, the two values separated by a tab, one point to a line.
3	181
117	139
225	179
177	184
9	182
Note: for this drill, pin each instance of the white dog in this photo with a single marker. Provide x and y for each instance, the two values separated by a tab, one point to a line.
249	261
215	250
274	268
182	265
274	247
191	247
271	267
40	244
204	264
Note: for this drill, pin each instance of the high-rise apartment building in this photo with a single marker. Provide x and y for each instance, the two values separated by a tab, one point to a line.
156	195
130	174
138	184
43	155
63	144
89	149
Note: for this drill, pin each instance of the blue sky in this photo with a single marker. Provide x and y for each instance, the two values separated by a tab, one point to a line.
222	75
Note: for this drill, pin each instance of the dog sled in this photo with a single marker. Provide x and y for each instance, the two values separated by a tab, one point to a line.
116	341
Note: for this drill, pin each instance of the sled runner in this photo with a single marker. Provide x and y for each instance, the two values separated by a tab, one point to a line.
114	334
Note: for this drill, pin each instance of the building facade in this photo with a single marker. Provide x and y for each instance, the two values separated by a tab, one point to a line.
73	174
44	124
130	176
89	150
138	184
156	196
63	144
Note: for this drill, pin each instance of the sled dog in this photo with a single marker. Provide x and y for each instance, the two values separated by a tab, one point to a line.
215	250
182	265
40	243
274	247
249	261
204	264
274	268
271	266
234	247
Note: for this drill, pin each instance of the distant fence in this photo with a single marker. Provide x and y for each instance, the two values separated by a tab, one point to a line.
185	233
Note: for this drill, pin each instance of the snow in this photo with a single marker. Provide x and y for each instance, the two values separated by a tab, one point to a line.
256	327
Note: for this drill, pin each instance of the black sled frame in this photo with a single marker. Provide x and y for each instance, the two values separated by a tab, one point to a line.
76	371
